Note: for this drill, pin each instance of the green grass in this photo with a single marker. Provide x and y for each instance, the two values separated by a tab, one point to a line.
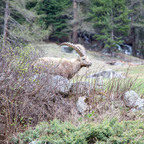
137	72
137	69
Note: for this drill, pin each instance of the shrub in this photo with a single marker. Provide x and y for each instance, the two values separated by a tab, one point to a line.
25	97
57	132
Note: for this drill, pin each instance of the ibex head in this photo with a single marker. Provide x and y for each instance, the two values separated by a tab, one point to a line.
85	62
83	58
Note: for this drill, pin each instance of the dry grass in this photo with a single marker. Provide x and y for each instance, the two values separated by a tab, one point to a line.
99	63
135	73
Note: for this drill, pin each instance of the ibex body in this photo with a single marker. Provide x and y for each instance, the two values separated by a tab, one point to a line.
62	66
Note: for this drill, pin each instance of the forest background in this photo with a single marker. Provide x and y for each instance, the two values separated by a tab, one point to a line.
103	24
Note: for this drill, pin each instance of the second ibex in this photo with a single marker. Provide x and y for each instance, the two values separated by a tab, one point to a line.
62	66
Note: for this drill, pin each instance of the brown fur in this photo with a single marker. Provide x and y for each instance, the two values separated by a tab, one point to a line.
61	66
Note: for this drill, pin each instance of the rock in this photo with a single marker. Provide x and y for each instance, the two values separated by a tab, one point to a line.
108	74
51	84
66	49
118	75
33	142
57	84
119	63
60	84
133	100
36	142
82	105
111	62
81	88
98	81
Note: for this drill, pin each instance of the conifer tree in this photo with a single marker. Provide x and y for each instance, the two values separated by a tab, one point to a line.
110	18
137	25
54	15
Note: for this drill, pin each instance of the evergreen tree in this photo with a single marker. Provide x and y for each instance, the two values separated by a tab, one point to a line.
137	25
53	14
110	18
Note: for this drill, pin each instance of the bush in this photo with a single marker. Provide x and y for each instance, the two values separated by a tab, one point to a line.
25	96
56	132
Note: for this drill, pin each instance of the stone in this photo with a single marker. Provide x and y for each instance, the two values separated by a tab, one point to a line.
59	84
36	142
82	105
133	100
81	88
66	49
118	75
53	83
33	142
108	74
119	63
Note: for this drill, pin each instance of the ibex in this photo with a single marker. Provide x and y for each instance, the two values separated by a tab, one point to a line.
62	66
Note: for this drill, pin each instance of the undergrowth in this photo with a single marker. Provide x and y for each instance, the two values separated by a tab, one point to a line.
56	132
28	98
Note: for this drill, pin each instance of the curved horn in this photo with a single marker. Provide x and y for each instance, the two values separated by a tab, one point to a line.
82	48
76	47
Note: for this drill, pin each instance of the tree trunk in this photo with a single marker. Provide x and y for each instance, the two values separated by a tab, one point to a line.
112	34
75	21
133	32
6	22
112	24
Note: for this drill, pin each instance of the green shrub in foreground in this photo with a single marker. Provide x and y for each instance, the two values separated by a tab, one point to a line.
56	132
